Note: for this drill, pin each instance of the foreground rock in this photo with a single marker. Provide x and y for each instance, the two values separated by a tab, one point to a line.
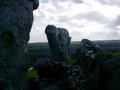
51	74
59	42
16	18
111	74
50	70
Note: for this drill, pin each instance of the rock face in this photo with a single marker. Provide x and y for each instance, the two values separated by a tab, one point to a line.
16	18
89	58
59	42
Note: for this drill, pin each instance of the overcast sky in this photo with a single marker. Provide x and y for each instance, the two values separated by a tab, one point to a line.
91	19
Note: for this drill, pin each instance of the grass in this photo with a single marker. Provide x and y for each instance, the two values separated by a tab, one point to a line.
112	54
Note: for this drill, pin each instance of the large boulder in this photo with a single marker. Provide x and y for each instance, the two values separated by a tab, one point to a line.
59	42
88	52
89	58
16	18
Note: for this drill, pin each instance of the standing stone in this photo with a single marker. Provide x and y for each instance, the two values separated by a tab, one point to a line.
16	18
59	42
90	57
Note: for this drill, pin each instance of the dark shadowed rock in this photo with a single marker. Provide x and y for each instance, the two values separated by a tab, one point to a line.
50	70
51	73
111	74
59	42
88	52
16	18
89	58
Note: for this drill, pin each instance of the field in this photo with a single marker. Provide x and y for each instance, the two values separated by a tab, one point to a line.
37	50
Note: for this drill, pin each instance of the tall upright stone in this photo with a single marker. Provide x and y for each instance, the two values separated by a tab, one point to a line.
89	57
16	18
59	42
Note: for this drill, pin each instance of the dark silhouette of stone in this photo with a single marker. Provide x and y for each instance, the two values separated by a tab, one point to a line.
16	18
51	73
111	74
50	70
59	42
88	52
89	58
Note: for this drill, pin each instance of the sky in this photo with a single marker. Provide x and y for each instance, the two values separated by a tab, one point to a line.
84	19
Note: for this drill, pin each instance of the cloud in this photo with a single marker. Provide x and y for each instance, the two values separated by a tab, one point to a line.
110	2
92	19
114	24
75	1
92	16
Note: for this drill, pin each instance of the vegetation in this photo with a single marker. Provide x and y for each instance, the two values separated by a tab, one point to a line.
112	54
37	46
32	73
71	61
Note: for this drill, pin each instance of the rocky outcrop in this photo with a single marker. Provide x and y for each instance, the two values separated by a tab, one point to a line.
59	42
89	57
16	18
88	52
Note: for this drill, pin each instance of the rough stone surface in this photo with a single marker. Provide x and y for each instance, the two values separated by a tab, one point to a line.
16	17
89	58
59	42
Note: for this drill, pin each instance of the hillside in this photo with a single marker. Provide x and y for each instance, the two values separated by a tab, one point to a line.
37	50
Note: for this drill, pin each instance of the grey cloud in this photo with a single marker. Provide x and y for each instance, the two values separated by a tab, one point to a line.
76	36
117	21
110	2
75	1
38	38
114	23
43	1
93	16
63	18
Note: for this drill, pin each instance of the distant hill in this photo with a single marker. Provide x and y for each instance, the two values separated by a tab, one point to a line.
107	45
42	49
